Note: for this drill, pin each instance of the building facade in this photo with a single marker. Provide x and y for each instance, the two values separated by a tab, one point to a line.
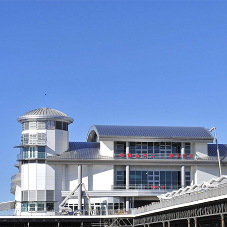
122	167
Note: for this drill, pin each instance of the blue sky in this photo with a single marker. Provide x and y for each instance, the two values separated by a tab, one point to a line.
111	62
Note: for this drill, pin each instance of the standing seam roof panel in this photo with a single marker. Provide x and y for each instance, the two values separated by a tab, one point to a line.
153	131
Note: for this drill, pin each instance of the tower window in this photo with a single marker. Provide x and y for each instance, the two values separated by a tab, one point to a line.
59	125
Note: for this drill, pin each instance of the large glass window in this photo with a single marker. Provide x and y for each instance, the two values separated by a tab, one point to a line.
187	148
155	179
187	179
120	178
120	148
156	149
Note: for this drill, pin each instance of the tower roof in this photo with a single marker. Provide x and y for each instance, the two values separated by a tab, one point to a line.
45	113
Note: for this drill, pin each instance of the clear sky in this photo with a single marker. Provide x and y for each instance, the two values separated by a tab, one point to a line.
111	62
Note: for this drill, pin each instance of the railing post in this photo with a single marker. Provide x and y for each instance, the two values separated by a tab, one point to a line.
189	222
195	220
222	220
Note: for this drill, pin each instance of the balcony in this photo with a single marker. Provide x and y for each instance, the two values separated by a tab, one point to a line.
27	155
165	156
13	188
155	188
16	178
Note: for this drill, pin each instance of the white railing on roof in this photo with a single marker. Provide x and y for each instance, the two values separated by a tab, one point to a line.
186	196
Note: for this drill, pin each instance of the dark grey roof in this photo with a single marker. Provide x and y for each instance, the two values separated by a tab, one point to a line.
151	131
81	150
212	149
77	146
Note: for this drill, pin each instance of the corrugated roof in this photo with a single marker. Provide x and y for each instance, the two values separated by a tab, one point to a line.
45	111
151	131
81	150
212	149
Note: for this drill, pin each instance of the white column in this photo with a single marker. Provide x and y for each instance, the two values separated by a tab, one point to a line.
182	176
80	188
63	177
182	167
127	178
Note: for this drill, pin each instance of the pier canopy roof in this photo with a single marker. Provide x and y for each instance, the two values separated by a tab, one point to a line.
149	133
45	114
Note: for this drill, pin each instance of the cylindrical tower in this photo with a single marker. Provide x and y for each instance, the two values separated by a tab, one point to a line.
44	133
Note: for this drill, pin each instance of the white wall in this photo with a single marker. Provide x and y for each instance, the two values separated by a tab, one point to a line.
201	149
50	146
103	177
58	183
61	141
206	173
95	177
32	176
57	141
50	177
107	148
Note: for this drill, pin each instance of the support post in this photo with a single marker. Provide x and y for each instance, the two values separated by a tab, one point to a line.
168	223
80	188
182	176
196	223
222	220
183	167
189	222
163	224
127	178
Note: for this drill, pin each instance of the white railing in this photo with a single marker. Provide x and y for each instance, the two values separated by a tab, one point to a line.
185	198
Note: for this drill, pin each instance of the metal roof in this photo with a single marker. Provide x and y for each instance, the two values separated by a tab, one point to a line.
7	205
212	149
45	113
81	150
149	131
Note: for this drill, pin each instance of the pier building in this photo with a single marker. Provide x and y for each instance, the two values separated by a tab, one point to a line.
122	167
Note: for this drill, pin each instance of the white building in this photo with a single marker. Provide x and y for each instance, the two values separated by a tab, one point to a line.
121	166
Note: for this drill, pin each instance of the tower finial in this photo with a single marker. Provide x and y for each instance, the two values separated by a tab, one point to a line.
45	100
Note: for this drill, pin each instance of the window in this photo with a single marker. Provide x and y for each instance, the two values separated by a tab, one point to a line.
24	207
187	148
41	125
25	126
41	152
65	126
32	152
187	179
59	125
120	148
41	139
40	206
33	125
120	178
155	180
50	125
31	207
50	207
